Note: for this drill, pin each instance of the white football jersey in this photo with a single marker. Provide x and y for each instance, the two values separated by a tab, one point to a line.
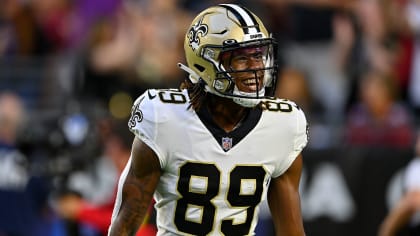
213	182
412	183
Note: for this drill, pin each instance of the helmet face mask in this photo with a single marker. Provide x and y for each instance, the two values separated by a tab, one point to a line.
248	67
229	48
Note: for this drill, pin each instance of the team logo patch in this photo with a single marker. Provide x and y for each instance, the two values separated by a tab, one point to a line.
193	34
307	132
136	115
226	143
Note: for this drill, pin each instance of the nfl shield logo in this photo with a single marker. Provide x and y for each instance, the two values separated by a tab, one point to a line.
226	143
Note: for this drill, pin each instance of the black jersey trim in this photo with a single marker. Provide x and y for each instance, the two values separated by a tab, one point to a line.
249	123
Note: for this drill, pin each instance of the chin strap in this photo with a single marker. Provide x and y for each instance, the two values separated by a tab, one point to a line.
193	76
247	102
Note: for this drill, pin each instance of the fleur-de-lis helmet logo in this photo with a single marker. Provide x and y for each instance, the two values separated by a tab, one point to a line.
193	34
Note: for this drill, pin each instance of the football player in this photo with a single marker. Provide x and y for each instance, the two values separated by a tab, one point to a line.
404	217
213	150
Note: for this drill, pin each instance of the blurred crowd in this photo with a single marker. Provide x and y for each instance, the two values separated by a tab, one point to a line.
71	69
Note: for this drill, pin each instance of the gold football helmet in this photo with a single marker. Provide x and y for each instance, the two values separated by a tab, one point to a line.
217	39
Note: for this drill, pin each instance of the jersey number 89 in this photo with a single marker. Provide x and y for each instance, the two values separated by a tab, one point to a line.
203	200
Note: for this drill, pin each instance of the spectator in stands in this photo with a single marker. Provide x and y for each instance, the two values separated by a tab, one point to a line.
137	38
382	42
405	215
378	119
413	18
89	211
20	35
23	196
309	44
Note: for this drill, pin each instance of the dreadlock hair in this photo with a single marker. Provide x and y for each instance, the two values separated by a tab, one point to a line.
196	92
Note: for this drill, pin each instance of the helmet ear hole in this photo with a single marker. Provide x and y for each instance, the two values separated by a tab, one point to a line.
199	67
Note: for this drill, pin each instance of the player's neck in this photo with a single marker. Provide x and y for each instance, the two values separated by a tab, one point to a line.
225	113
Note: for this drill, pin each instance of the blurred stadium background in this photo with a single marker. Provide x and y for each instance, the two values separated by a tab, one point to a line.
76	66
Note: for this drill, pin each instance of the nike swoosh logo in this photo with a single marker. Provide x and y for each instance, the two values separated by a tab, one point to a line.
150	95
